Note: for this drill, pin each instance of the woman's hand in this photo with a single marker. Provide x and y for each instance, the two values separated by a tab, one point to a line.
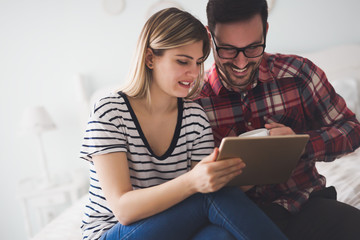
210	175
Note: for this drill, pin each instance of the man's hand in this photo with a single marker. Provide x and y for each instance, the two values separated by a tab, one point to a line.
276	129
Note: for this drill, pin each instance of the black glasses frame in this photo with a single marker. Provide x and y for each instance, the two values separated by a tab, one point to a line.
238	50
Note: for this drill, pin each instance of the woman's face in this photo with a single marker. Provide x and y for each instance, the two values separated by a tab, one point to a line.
177	69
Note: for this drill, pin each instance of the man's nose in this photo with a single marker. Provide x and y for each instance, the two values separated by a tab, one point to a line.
241	60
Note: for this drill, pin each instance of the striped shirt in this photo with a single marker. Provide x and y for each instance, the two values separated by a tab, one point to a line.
113	127
293	91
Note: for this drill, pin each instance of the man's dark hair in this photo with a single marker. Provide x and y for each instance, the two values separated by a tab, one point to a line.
226	11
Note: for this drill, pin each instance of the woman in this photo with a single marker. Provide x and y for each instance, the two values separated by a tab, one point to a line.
141	142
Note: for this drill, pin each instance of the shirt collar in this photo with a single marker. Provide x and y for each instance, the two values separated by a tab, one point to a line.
265	73
214	80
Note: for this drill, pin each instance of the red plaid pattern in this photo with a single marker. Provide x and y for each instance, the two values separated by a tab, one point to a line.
293	91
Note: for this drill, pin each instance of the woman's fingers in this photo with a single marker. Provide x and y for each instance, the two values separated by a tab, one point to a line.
210	175
212	157
228	164
230	172
226	170
222	180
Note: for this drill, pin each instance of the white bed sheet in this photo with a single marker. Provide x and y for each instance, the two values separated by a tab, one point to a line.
344	174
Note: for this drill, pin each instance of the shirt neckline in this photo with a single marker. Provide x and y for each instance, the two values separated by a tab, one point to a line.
142	135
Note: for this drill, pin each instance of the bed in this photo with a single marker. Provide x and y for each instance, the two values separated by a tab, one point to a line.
344	173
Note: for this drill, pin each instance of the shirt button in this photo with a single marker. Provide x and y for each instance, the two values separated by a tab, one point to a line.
249	123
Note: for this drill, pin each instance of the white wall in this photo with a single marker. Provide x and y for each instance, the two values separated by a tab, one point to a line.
45	43
308	25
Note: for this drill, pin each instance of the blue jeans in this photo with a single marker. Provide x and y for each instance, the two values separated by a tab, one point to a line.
225	214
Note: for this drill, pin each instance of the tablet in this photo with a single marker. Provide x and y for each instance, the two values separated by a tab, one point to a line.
268	159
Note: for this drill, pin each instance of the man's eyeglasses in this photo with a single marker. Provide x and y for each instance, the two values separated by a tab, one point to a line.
251	51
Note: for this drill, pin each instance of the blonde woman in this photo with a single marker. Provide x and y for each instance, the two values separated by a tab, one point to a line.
141	142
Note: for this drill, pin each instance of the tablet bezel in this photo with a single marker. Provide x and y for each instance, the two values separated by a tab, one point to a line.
268	159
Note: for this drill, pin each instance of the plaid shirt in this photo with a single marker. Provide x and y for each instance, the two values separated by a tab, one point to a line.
293	91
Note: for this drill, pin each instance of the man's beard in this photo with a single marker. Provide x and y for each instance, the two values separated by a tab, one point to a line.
247	80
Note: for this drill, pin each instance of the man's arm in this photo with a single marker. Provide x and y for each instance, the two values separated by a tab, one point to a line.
333	128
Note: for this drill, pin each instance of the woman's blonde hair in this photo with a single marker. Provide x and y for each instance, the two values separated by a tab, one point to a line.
166	29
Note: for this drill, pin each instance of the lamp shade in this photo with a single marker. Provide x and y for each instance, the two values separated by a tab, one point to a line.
37	120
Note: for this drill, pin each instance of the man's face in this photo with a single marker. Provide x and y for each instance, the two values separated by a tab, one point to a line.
239	71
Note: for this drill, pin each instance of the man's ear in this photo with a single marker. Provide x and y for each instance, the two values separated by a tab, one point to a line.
149	58
267	27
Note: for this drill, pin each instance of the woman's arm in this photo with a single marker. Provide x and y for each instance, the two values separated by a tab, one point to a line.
130	205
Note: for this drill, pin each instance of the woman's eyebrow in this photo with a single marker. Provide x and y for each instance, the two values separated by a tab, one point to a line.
190	57
184	55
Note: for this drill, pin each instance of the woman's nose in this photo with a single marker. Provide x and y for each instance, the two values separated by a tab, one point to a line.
194	70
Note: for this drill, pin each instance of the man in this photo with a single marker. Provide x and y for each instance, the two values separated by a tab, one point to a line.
248	89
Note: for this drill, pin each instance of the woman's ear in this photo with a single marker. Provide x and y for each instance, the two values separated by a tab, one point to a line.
149	58
208	32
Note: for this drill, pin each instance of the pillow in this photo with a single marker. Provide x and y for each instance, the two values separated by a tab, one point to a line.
348	88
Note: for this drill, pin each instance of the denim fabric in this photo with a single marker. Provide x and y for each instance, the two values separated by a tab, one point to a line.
213	232
192	218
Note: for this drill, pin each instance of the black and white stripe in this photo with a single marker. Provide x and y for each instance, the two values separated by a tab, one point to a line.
113	127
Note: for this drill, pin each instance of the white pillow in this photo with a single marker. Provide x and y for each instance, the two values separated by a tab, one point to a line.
348	88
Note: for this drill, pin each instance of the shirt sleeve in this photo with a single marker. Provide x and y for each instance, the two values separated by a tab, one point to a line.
105	131
335	130
203	144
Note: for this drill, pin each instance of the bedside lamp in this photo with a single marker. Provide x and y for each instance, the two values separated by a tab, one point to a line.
37	120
